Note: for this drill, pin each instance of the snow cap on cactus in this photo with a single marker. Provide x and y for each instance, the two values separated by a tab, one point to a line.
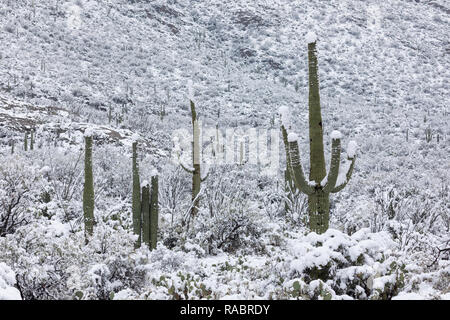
336	135
144	184
135	137
285	116
190	86
153	172
88	132
351	149
292	136
310	37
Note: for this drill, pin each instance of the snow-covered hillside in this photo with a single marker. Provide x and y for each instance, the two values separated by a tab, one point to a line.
122	69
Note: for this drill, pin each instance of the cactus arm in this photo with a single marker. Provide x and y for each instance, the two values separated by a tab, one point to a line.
206	175
348	175
334	165
296	169
286	143
186	168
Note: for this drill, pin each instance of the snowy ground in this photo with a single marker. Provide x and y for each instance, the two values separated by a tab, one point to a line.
122	69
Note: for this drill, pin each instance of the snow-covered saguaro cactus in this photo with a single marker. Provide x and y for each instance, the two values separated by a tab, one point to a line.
154	213
136	196
25	141
195	170
145	212
320	185
88	190
32	139
150	212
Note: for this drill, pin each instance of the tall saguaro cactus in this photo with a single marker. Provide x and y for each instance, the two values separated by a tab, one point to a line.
154	213
150	212
145	209
88	191
136	196
195	170
25	141
320	185
32	140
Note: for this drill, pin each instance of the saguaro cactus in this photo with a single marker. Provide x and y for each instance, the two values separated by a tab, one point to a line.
145	209
88	191
197	179
154	213
25	141
136	196
32	140
319	186
150	211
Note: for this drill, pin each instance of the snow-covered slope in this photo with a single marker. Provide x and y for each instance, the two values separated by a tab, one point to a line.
122	68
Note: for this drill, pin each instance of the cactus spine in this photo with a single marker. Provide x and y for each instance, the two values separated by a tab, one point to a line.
319	186
154	212
136	197
88	191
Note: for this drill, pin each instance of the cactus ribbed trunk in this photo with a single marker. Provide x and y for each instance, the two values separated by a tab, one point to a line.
319	211
32	140
318	202
136	197
145	209
317	158
88	191
25	142
154	213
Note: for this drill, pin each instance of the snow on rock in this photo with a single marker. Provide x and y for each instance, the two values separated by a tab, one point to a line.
285	116
310	37
7	281
292	136
351	149
336	135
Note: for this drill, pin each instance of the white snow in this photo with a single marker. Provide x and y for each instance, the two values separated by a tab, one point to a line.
336	135
310	37
153	172
351	149
292	136
89	131
285	116
191	92
144	183
7	281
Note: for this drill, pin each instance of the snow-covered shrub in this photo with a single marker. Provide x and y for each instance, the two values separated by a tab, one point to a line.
361	266
7	282
18	180
230	221
51	262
